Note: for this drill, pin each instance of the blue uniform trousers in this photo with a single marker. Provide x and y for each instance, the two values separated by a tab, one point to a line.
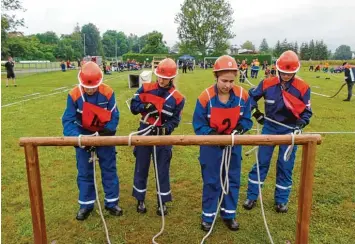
143	156
85	179
210	160
283	171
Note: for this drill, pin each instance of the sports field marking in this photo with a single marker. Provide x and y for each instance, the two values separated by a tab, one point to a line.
320	94
51	94
33	94
59	88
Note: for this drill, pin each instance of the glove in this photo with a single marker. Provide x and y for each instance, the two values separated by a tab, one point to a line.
259	116
149	107
107	132
300	124
238	130
158	131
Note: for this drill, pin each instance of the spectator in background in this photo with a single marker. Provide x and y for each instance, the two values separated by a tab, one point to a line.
68	64
9	65
62	65
184	66
349	73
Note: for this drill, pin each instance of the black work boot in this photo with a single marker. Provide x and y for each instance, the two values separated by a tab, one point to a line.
281	207
232	224
205	226
346	100
164	209
141	207
249	204
83	213
115	211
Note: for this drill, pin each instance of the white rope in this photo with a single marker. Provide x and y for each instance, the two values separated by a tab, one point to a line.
260	194
289	149
93	160
79	141
279	123
159	196
146	131
251	150
245	78
226	157
79	138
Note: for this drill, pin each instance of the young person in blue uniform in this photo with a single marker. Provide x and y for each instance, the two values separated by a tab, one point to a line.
91	107
221	109
287	100
159	100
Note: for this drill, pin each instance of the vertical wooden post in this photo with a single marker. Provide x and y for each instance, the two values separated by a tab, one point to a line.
305	192
35	191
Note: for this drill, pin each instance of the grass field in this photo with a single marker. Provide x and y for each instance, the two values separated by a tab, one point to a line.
333	211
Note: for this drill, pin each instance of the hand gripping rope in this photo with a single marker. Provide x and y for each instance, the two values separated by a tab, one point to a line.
226	157
146	132
93	160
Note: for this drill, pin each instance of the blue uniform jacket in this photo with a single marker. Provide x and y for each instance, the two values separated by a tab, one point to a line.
200	118
275	108
173	105
104	97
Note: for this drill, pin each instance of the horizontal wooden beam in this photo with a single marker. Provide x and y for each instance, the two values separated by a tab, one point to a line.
180	140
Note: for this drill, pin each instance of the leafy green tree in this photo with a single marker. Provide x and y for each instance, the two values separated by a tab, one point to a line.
343	52
278	49
48	37
205	24
264	47
92	39
248	45
9	22
155	43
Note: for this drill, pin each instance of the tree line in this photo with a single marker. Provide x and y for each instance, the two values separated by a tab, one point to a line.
204	28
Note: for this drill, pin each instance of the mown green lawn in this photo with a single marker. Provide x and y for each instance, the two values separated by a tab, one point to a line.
333	211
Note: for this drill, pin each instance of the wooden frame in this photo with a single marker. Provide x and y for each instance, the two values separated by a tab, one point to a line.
309	143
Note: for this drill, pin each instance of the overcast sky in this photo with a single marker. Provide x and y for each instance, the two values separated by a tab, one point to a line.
297	20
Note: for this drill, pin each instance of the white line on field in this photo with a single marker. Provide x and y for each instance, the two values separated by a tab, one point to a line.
59	88
319	94
33	94
51	94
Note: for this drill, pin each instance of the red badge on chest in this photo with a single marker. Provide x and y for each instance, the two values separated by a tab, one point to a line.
94	117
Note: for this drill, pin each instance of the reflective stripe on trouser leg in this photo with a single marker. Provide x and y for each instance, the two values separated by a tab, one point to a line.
210	159
230	201
164	154
110	181
143	156
264	157
85	179
284	175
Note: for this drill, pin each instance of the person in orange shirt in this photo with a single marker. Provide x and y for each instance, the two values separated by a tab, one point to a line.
243	67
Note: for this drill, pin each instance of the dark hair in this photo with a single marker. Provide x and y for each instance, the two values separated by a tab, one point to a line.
345	63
